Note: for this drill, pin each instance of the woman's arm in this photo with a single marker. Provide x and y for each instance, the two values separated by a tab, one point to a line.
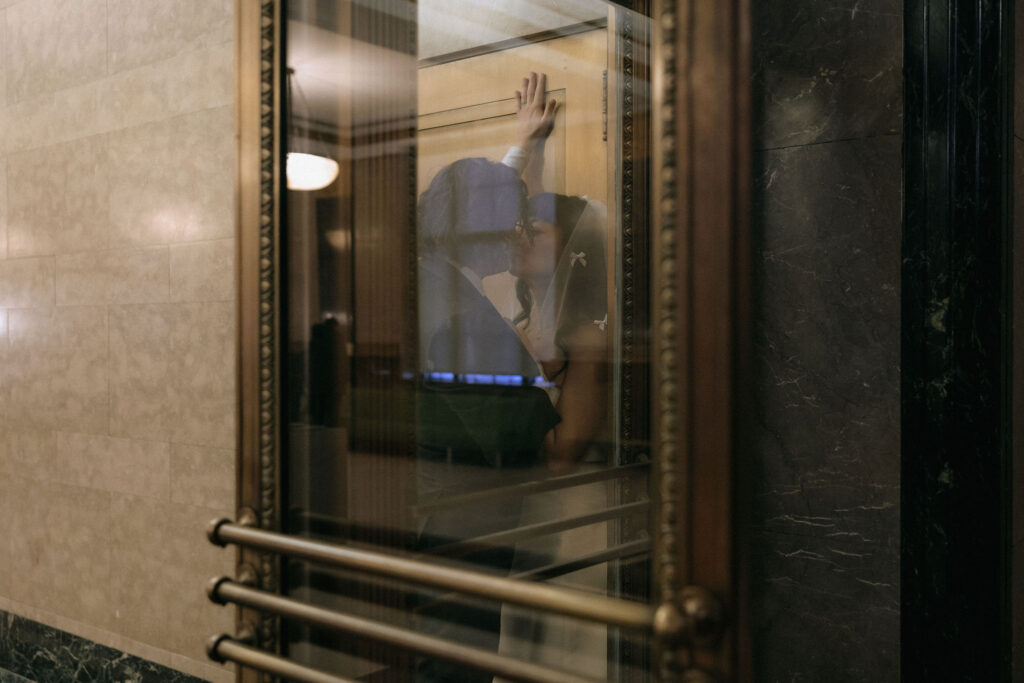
536	119
581	403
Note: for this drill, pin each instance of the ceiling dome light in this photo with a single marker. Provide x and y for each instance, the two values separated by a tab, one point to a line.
310	171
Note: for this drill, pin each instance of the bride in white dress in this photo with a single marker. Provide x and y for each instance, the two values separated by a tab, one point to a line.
562	318
560	309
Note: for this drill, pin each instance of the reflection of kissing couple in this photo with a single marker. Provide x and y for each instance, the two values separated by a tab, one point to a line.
475	222
512	380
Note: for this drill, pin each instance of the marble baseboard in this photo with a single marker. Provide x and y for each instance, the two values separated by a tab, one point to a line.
36	653
9	677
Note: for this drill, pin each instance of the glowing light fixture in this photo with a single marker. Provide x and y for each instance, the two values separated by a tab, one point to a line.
305	171
309	171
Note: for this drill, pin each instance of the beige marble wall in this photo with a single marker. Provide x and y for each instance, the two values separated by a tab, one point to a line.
117	318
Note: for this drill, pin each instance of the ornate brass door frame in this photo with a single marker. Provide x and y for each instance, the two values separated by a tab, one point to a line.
700	78
258	121
698	309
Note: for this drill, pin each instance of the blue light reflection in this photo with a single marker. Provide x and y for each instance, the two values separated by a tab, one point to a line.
502	380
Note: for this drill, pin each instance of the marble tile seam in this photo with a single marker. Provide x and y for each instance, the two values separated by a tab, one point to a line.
130	249
101	91
818	143
149	63
112	491
117	131
106	39
175	472
29	257
831	535
210	510
108	74
133	304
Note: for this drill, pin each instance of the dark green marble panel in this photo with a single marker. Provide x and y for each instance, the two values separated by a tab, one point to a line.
41	654
9	677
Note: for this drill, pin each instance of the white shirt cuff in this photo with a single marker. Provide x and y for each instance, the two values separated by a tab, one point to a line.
516	157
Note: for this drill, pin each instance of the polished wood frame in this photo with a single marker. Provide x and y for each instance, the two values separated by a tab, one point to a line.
699	309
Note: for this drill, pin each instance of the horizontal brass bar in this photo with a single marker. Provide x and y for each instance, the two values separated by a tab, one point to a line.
225	648
556	569
506	667
529	487
534	530
548	598
338	529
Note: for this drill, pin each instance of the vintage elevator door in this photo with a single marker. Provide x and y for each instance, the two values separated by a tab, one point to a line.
378	449
454	453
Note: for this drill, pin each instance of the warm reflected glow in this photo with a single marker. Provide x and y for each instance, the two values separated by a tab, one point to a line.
309	171
339	239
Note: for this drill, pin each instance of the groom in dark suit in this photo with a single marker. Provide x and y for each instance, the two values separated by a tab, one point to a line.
480	418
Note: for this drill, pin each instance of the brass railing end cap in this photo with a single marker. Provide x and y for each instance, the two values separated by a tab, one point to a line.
670	625
695	616
213	527
211	589
212	643
704	614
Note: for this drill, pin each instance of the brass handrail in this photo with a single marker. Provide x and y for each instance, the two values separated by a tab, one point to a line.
348	531
544	572
225	590
548	598
528	487
529	531
556	569
224	648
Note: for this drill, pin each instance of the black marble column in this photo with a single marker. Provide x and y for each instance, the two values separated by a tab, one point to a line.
956	363
1017	556
824	471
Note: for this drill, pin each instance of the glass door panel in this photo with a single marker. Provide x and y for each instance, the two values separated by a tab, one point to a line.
466	291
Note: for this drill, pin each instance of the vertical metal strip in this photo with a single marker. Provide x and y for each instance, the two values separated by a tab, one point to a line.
664	316
258	51
624	23
269	231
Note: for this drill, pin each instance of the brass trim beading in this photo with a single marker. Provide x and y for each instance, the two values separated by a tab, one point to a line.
268	391
665	361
